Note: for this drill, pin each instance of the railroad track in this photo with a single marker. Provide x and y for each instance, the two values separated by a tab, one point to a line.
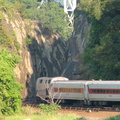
89	109
34	103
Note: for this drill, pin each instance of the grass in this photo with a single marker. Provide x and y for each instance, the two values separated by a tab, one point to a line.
43	117
114	118
27	112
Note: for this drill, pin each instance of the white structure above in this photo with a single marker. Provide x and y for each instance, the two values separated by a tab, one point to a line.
69	7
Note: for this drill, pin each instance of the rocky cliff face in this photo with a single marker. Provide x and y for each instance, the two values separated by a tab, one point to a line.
79	37
44	55
77	43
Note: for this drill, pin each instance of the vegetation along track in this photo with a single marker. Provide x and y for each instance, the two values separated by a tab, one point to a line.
34	103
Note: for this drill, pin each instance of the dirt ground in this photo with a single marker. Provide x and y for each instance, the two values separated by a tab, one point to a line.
93	115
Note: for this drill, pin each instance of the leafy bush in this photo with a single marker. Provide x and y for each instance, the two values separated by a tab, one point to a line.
10	98
114	118
51	108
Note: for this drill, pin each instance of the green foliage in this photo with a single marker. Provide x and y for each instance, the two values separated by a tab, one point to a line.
7	7
53	16
49	108
1	15
10	98
28	40
94	7
102	54
113	118
4	37
81	118
2	4
7	39
44	117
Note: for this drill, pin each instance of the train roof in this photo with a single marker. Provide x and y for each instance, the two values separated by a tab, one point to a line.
53	79
73	82
104	82
87	82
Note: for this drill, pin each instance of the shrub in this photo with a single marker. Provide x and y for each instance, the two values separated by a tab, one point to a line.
10	98
51	108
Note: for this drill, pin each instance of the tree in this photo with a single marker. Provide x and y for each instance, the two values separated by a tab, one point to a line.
10	98
54	18
102	52
95	8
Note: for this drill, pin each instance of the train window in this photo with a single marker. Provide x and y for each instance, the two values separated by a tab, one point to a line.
111	91
107	91
94	91
103	91
77	90
80	91
68	90
41	81
97	91
62	90
73	90
49	81
100	91
114	91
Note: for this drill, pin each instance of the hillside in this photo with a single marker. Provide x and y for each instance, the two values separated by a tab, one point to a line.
40	42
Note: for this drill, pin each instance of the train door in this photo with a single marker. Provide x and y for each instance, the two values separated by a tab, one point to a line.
86	94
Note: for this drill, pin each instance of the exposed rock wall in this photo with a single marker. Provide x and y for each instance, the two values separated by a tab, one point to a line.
78	40
46	55
77	43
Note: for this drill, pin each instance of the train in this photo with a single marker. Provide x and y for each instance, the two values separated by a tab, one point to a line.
82	92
